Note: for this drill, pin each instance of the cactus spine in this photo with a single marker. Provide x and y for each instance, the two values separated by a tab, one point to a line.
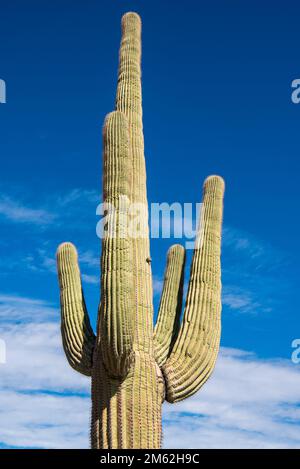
133	367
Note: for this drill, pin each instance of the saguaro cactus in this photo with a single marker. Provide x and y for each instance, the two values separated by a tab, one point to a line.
134	367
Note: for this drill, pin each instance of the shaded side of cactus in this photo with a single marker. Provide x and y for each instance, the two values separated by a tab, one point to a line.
134	367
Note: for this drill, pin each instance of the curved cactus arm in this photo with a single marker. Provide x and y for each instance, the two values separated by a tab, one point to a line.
116	315
168	321
195	351
77	334
129	101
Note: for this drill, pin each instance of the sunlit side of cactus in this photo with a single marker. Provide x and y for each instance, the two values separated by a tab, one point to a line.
134	367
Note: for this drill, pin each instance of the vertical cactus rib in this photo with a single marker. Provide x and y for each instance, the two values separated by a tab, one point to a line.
168	321
77	334
129	101
117	306
195	350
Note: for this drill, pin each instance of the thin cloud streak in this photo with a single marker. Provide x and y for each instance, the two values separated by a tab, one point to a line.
19	309
17	212
252	273
52	210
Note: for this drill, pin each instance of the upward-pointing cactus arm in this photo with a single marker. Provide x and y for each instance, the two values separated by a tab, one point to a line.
116	314
77	334
195	351
168	321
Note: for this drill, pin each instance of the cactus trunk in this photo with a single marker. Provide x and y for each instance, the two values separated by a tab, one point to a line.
126	413
133	366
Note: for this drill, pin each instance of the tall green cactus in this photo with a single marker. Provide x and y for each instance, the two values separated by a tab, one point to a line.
133	366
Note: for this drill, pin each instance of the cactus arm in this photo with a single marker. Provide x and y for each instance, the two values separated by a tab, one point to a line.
129	101
195	351
168	321
116	312
77	334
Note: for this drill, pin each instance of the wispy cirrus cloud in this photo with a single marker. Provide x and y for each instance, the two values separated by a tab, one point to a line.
52	208
17	212
241	241
253	273
15	308
157	284
89	258
237	299
88	278
77	195
244	301
256	253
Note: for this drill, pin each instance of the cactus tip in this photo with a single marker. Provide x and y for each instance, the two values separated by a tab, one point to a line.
66	247
131	20
214	180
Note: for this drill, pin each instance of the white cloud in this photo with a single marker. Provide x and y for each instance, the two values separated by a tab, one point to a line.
53	207
89	258
78	194
242	300
238	301
14	308
248	403
93	279
257	253
44	421
253	273
18	212
241	241
35	360
47	262
157	284
38	387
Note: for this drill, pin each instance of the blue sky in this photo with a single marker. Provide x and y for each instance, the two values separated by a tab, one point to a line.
217	99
